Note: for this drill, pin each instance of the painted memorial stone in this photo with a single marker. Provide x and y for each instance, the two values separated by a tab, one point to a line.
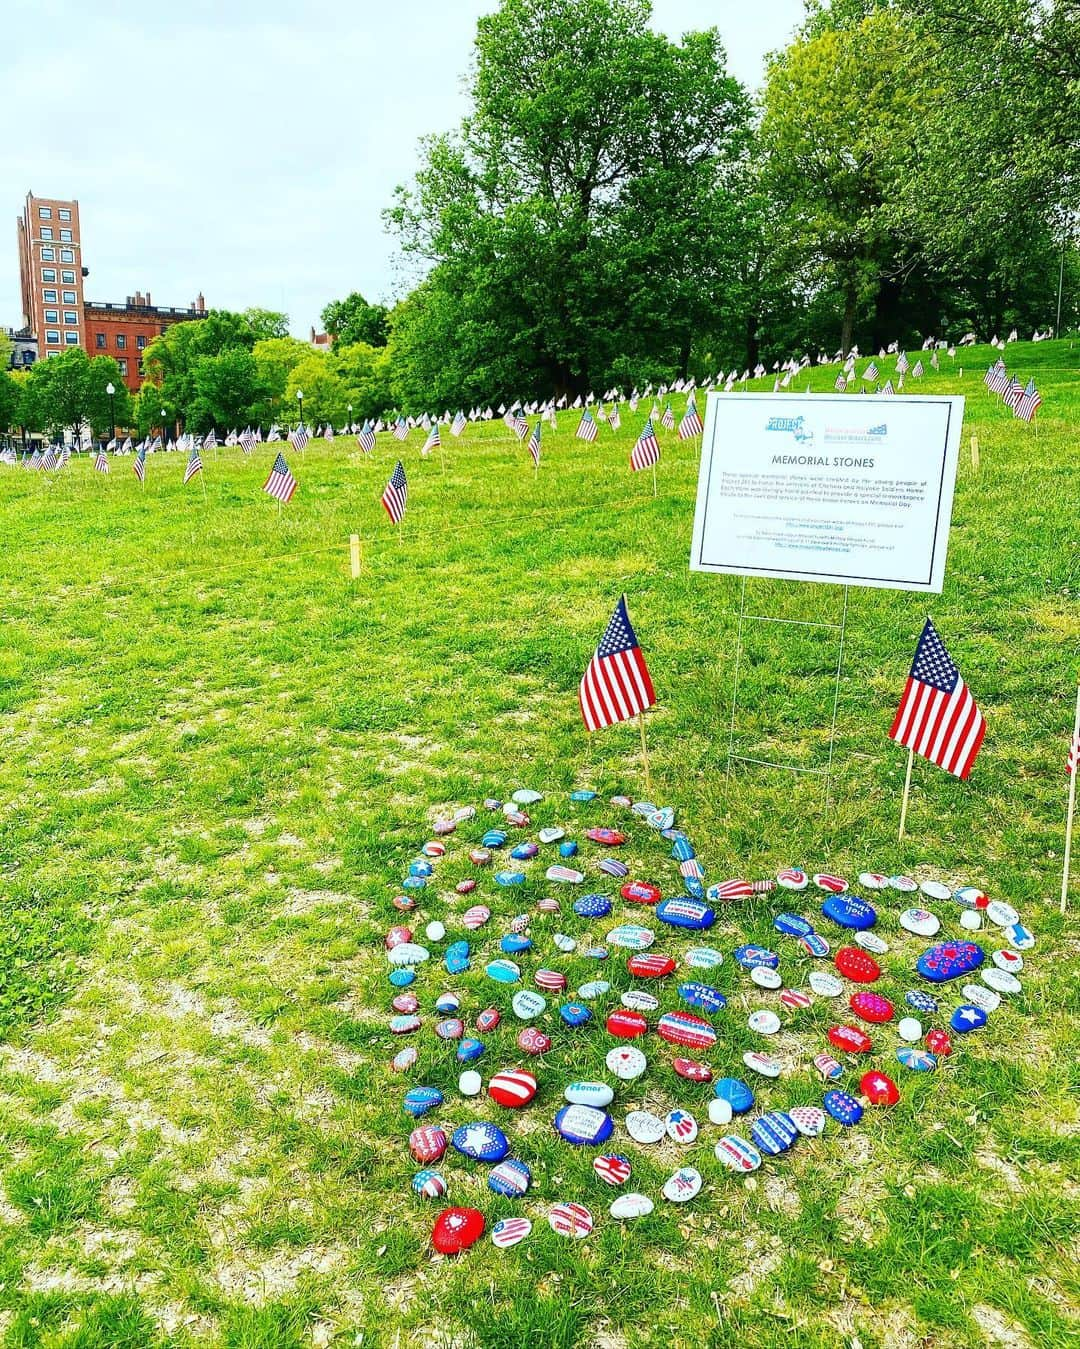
509	1232
879	1088
845	1109
397	936
762	1064
686	1030
855	964
938	1042
766	978
919	1060
703	958
514	943
645	1127
905	884
971	920
683	1186
404	1060
595	988
404	902
456	959
640	892
435	931
792	878
554	981
971	897
910	1030
475	917
404	1025
551	835
1001	981
1008	960
795	999
568	849
406	1003
596	1094
1002	914
949	960
692	1070
611	866
564	875
921	1000
967	1018
661	819
481	1142
564	943
488	1019
526	796
627	1206
639	1001
682	850
920	921
427	1144
749	956
872	942
808	1119
513	1088
631	937
592	906
533	1041
451	1028
609	838
408	953
434	848
494	838
470	1083
737	1094
849	911
792	925
871	1007
691	914
764	1021
574	1014
584	1125
612	1168
503	971
626	1024
508	878
720	1112
570	1220
429	1184
725	891
414	883
737	1154
582	794
402	977
984	998
825	985
681	1126
626	1062
873	880
774	1132
814	944
523	852
651	965
850	1039
456	1229
828	1067
1017	935
833	885
935	890
510	1178
704	996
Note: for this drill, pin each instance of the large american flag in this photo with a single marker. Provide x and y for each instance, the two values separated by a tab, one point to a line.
937	716
616	686
691	423
281	484
396	494
534	444
586	427
194	464
646	451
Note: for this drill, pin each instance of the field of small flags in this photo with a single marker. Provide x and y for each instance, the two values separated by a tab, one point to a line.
220	749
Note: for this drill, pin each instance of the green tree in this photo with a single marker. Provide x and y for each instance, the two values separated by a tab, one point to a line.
148	403
228	390
170	361
353	320
325	392
275	359
9	401
266	323
70	390
364	372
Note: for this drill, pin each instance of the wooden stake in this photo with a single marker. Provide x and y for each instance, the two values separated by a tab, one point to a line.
907	791
1071	808
354	555
645	755
975	453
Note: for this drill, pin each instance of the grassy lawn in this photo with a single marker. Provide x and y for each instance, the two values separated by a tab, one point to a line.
218	755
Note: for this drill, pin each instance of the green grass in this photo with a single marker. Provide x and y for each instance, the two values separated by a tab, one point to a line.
219	754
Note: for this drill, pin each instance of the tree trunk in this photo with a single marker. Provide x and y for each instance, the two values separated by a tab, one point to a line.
753	350
849	320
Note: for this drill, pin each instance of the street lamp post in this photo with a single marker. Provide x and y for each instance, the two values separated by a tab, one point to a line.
163	416
110	389
350	417
300	400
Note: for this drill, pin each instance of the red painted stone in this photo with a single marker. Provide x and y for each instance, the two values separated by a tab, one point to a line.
552	980
640	892
512	1088
625	1024
397	936
692	1070
650	965
871	1007
850	1039
855	964
405	1003
938	1042
879	1089
427	1144
404	903
456	1229
533	1041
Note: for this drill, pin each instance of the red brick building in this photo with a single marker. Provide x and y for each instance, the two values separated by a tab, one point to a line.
51	276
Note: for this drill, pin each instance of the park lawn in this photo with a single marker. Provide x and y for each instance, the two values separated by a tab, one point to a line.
218	754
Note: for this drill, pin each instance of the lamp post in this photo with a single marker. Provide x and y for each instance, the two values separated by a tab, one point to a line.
300	400
163	416
110	389
350	417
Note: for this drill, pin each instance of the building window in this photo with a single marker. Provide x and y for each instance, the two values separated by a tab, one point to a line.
48	255
123	367
69	297
44	212
140	342
71	318
49	296
46	232
121	341
66	254
72	339
52	316
100	339
64	213
140	365
68	278
48	273
52	338
65	236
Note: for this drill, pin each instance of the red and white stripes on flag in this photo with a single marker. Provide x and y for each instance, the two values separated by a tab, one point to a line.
937	717
281	484
616	685
646	451
396	494
1073	758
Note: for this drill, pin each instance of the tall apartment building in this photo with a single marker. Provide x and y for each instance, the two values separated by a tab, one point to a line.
51	274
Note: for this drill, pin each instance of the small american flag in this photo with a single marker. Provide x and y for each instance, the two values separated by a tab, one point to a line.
48	459
586	427
210	440
917	371
534	444
616	685
281	484
614	420
194	464
1013	394
247	440
433	442
887	389
1073	757
667	421
328	431
841	383
101	462
646	451
366	438
691	422
871	372
401	428
902	363
396	494
138	464
1029	402
273	434
298	438
937	716
459	424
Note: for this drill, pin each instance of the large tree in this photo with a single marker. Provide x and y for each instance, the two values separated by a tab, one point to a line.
69	391
354	320
571	225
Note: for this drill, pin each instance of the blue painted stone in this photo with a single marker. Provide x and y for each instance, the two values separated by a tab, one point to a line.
850	911
514	942
494	838
774	1132
702	995
683	850
595	952
503	971
673	835
920	1000
737	1094
694	887
510	1178
524	851
949	960
686	913
428	1183
843	1107
469	1049
481	1141
582	795
402	978
752	957
568	849
574	1014
509	878
584	1125
456	959
791	925
814	944
592	906
919	1060
414	883
967	1017
419	1100
447	1003
421	867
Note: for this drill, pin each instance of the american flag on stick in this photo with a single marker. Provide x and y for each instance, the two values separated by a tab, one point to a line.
1073	757
937	717
281	484
1029	402
616	685
667	421
194	465
401	428
298	438
459	424
433	442
691	424
247	440
209	440
587	428
138	464
646	451
366	438
101	462
396	494
534	444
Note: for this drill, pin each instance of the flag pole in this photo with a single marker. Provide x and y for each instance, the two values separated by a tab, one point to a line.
654	478
1072	805
645	754
907	792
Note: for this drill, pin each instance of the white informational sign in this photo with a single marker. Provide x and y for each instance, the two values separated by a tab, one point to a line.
828	487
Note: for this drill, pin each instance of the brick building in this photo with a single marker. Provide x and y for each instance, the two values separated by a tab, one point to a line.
55	312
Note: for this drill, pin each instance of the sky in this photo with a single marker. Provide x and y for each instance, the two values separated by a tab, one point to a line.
247	148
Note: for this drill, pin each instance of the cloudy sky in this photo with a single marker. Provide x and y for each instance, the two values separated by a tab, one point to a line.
247	147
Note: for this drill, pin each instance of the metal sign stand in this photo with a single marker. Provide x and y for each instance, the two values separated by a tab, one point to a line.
840	628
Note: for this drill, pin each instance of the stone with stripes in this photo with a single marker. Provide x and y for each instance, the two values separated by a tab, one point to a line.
686	1030
650	965
737	1154
570	1220
510	1231
510	1178
685	913
774	1132
513	1088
